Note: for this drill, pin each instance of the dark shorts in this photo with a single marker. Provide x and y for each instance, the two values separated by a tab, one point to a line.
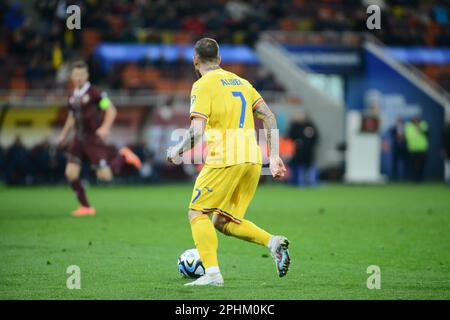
92	149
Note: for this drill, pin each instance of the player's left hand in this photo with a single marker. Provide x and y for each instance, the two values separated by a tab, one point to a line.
102	132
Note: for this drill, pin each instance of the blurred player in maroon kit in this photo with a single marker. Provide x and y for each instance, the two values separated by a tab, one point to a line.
92	114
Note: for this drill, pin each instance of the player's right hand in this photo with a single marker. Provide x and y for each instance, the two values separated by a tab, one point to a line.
102	133
60	140
173	156
277	167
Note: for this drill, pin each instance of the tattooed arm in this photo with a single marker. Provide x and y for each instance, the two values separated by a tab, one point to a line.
190	139
263	113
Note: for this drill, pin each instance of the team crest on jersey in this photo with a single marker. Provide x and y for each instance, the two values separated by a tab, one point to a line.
85	98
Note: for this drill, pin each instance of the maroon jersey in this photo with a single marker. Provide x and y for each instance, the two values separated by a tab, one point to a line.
84	106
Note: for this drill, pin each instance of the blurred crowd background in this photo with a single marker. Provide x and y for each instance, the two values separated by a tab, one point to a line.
36	49
36	45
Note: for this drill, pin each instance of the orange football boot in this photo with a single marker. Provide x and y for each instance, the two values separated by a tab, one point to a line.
84	211
131	157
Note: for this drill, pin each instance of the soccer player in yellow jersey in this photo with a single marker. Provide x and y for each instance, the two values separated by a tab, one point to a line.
223	106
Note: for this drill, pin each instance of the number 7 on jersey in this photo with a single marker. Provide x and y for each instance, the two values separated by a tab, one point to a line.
244	104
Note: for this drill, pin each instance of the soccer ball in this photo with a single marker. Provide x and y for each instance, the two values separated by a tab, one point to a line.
190	265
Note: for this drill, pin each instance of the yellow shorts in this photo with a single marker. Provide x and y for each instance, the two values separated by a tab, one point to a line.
227	191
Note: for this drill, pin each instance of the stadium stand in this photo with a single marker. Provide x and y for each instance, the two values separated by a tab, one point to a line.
50	45
37	48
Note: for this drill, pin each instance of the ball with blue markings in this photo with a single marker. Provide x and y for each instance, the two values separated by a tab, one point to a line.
190	265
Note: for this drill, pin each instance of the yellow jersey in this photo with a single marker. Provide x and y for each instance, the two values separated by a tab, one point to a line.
226	101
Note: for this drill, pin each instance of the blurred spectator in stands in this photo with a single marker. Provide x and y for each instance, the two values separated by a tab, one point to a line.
193	24
62	75
14	17
17	164
379	3
150	171
443	38
446	149
399	152
238	10
22	40
145	62
95	70
46	10
40	158
34	70
306	136
161	62
180	62
265	81
3	9
114	77
371	118
440	14
57	55
416	134
57	165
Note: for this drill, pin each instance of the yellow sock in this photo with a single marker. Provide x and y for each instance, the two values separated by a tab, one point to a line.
248	231
205	239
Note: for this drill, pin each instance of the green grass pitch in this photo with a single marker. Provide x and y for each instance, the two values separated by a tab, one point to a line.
130	249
